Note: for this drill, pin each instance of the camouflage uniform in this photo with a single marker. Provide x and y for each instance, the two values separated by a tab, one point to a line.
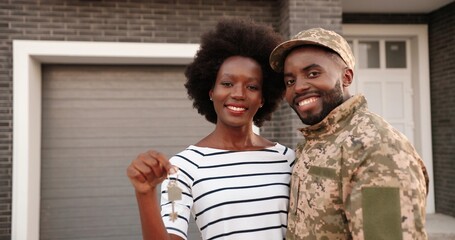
356	178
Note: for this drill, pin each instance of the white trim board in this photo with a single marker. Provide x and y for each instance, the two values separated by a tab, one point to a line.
420	81
27	59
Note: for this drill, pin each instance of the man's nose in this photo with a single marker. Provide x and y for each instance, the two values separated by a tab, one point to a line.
301	85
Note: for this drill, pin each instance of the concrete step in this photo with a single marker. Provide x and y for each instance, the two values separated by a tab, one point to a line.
440	227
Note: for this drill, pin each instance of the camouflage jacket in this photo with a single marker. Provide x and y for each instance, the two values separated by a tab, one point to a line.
356	178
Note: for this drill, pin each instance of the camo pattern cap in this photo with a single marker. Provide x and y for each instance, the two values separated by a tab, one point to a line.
314	36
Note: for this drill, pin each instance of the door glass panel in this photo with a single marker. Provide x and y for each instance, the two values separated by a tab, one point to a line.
395	54
369	54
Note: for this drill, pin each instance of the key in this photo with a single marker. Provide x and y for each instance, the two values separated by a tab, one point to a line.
174	193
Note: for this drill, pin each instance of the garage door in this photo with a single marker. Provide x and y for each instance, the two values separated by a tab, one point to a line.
95	120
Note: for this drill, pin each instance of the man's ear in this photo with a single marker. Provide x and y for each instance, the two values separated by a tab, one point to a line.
348	76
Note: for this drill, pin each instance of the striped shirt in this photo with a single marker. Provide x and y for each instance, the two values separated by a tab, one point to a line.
231	194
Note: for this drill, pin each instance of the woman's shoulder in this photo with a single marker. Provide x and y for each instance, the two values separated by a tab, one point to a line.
188	156
288	152
283	148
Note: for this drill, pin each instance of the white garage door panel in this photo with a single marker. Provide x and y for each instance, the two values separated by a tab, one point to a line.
124	132
91	104
96	180
120	123
112	143
99	153
72	161
116	202
96	119
131	113
123	93
87	192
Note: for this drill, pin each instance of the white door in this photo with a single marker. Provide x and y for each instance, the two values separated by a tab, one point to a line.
383	75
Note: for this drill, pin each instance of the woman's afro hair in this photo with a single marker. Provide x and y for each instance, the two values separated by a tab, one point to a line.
234	37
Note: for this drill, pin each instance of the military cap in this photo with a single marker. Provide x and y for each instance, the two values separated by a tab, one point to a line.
313	36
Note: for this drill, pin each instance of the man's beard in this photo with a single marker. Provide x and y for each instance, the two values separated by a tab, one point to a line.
330	100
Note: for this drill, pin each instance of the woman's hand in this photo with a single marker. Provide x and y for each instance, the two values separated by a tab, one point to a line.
148	170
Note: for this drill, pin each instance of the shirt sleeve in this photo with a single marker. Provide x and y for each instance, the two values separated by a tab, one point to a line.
178	227
388	196
291	158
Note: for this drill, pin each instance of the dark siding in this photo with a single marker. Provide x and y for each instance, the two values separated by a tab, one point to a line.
442	75
364	18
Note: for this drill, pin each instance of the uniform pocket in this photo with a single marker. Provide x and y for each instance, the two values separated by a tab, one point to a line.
323	172
319	189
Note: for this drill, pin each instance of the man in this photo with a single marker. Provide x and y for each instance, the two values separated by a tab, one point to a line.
356	177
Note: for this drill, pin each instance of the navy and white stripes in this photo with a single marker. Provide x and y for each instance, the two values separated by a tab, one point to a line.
232	194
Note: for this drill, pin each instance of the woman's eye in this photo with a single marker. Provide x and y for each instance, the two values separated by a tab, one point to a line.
253	87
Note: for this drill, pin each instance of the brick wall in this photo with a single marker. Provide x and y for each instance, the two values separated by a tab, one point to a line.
315	13
442	69
174	21
363	18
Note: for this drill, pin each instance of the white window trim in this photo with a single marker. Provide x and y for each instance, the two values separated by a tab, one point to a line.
27	59
420	80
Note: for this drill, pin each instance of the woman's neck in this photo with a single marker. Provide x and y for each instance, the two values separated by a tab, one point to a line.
242	138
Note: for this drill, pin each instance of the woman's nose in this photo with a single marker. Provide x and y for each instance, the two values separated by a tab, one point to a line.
238	92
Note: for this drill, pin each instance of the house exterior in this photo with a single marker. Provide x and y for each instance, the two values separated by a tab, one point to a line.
85	85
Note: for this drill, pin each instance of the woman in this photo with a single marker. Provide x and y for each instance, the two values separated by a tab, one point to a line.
234	182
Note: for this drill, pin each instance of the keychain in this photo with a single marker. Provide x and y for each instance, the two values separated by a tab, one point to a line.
174	193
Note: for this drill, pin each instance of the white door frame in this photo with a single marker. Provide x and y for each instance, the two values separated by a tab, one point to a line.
27	59
420	75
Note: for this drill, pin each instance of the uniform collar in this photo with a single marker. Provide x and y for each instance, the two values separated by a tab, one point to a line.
336	119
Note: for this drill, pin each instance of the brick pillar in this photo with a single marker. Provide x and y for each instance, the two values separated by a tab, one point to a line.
295	16
304	14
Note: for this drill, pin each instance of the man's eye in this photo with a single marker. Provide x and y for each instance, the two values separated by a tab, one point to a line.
289	82
313	74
